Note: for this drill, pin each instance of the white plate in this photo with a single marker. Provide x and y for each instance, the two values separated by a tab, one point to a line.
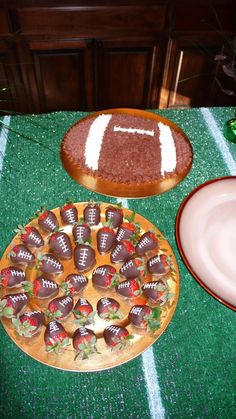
206	237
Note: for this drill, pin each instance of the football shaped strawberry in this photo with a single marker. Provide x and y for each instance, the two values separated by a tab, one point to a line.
106	238
83	312
114	215
84	342
59	308
13	304
117	337
60	245
44	288
48	221
148	241
21	254
133	268
84	257
105	276
130	288
69	213
108	309
122	251
29	323
81	232
11	277
157	291
159	265
145	317
127	231
30	236
73	284
49	264
92	214
55	337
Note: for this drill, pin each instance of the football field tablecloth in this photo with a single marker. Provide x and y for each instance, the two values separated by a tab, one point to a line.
191	370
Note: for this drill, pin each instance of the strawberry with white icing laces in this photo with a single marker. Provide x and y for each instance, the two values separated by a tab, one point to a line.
30	236
92	214
81	232
145	317
159	265
83	312
73	284
21	254
69	213
106	238
129	288
29	323
13	304
60	245
117	337
133	268
12	277
49	264
148	241
41	287
105	276
84	342
60	308
114	215
122	251
84	257
128	230
158	291
47	220
55	337
109	309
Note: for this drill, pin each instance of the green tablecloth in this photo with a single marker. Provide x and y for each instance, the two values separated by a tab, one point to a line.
191	370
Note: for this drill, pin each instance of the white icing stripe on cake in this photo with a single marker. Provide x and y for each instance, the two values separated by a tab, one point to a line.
94	140
168	150
135	131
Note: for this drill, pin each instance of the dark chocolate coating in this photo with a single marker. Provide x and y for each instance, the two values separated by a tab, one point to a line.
84	257
106	303
123	233
92	214
14	276
120	253
105	240
145	244
63	304
69	215
21	254
17	301
137	314
114	331
124	288
50	264
82	302
60	244
102	275
81	232
156	265
114	215
77	281
37	316
45	288
33	238
129	269
48	223
150	290
81	334
54	331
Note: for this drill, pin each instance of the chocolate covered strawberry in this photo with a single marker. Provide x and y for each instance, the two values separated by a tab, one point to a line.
148	241
21	254
11	277
130	288
49	264
59	308
159	265
157	291
30	236
81	232
55	337
92	214
106	238
42	287
117	337
84	342
69	213
13	304
47	220
127	231
60	245
83	312
108	309
114	215
105	276
133	268
73	284
122	251
145	317
84	257
29	323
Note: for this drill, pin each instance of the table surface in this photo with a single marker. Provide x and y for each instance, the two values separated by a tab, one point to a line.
191	370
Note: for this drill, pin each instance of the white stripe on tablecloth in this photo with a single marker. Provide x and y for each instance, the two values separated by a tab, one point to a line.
219	139
150	374
3	139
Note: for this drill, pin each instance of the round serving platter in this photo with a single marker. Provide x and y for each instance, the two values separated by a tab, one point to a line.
105	358
119	189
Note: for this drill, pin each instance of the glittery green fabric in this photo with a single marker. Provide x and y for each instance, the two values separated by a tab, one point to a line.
195	357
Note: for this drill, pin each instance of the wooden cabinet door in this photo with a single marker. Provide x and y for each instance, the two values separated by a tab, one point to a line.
59	75
127	74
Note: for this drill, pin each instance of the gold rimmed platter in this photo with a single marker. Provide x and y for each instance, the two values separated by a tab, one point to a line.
105	357
112	188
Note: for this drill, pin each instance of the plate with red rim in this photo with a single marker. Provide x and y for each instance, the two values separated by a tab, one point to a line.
105	358
206	237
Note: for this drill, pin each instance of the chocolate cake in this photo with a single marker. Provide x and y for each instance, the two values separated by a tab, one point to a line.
126	148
